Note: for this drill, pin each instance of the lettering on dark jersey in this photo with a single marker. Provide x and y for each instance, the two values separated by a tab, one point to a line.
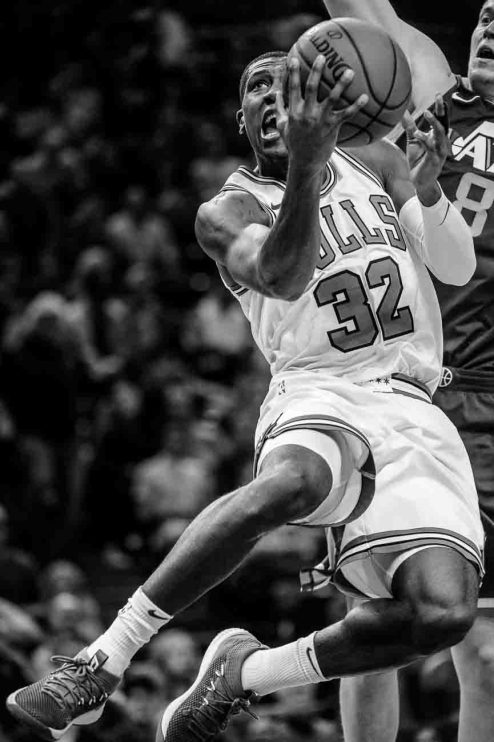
477	147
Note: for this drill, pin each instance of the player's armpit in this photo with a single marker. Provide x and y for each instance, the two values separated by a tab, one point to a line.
231	229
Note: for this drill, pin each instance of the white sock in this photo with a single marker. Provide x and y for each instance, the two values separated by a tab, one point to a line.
269	670
133	627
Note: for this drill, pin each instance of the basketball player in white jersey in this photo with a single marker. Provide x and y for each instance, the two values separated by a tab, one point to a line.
369	705
328	254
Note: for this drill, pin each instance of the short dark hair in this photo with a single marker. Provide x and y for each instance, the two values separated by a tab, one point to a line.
243	80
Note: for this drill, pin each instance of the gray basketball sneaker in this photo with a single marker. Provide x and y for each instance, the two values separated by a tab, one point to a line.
74	693
216	695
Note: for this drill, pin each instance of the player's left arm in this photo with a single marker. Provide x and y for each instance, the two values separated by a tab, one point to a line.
434	228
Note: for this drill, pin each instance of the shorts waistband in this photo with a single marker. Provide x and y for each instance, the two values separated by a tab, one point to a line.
467	381
399	384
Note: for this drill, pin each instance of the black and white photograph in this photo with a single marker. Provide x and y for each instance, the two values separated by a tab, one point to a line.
247	371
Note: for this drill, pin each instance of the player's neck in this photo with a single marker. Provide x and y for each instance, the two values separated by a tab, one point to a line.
483	91
273	167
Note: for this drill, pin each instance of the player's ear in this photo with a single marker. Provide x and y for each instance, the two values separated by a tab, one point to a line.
240	121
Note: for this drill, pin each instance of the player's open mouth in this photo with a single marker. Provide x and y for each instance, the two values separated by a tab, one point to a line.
269	131
485	52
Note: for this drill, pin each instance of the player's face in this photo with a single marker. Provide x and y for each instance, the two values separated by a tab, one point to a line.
259	113
481	64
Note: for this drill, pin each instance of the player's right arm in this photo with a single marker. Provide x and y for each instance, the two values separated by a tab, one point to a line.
233	229
276	261
431	73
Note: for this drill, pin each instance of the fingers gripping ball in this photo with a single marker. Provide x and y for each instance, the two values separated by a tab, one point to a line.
381	71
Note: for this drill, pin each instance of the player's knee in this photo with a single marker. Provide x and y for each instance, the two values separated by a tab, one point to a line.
437	625
289	491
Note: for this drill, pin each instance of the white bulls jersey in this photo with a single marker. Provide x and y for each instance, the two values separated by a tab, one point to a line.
370	309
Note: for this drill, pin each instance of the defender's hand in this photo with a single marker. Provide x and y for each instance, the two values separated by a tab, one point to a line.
427	151
310	127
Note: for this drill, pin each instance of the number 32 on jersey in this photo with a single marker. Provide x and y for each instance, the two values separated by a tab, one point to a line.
348	293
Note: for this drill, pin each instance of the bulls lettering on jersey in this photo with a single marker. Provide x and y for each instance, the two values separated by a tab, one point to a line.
370	308
467	180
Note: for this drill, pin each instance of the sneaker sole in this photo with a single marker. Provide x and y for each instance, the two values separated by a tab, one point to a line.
41	729
212	650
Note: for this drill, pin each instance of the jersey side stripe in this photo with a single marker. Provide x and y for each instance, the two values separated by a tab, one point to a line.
394	541
402	535
309	421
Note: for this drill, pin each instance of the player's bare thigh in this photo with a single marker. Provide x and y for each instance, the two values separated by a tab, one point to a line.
322	463
298	470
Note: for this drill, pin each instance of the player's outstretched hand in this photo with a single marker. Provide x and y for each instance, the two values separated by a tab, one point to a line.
427	150
310	126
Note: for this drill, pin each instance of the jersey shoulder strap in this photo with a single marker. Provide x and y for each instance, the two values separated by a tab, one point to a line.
268	192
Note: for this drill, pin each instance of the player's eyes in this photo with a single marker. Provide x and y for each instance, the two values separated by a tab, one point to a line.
260	83
485	20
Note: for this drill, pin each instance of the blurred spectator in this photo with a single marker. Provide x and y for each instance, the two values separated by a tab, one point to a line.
41	373
95	316
82	111
148	329
209	171
18	630
217	336
66	578
26	233
176	655
145	694
138	233
18	569
170	488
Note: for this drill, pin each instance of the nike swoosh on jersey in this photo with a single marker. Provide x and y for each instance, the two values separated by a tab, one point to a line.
155	614
275	207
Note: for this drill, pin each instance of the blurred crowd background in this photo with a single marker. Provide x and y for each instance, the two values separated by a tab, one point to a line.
129	385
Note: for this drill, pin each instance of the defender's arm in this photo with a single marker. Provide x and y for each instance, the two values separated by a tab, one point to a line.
434	228
431	73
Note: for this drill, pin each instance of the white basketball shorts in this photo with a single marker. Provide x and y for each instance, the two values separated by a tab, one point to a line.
405	481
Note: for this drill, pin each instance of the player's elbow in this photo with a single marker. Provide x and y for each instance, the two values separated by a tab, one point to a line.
462	271
279	286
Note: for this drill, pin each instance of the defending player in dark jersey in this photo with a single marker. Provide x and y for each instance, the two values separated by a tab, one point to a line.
466	392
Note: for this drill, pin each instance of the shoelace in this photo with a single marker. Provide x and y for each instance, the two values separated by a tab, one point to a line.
217	709
66	682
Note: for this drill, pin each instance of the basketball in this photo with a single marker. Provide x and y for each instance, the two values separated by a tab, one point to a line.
381	71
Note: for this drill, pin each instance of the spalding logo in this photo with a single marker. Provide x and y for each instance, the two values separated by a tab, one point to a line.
333	60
